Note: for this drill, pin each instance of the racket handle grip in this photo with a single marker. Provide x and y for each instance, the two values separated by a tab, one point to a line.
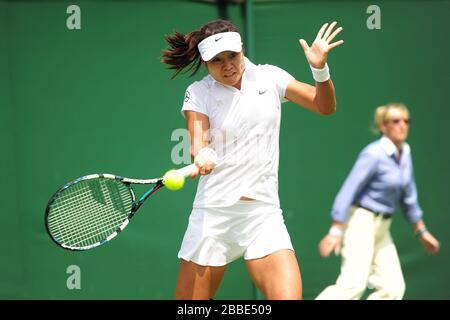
188	170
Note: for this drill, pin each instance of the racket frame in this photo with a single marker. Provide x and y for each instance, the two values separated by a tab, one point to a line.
158	183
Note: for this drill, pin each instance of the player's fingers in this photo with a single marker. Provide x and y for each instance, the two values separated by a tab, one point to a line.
321	31
334	45
194	175
210	165
304	44
328	31
204	170
200	163
334	34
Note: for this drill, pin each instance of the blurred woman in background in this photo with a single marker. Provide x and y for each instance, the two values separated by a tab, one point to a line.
381	180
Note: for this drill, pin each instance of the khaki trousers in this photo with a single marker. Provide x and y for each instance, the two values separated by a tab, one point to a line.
369	260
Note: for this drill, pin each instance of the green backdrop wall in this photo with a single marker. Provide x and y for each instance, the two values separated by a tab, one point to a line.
74	102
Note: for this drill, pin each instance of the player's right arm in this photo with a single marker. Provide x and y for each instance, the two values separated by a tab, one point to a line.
198	125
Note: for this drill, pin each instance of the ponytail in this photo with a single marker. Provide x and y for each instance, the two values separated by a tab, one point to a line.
183	53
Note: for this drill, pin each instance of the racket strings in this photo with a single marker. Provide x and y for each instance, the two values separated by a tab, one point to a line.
82	228
76	202
64	220
77	233
86	229
71	199
89	211
79	204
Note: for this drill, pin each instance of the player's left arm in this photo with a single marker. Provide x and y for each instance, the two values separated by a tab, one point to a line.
321	98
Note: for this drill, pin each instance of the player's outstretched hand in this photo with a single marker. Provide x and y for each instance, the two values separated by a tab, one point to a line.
318	52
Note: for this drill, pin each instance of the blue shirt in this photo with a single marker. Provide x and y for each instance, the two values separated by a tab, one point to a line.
379	182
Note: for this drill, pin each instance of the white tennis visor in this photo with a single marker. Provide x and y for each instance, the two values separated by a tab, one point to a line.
219	42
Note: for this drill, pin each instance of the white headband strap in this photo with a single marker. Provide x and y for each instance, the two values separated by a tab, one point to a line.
219	42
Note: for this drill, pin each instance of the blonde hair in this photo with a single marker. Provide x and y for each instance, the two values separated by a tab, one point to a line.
382	112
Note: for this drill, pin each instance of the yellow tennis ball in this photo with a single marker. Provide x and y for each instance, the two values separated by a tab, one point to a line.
173	180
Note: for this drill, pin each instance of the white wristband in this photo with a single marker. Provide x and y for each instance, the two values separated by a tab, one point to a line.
321	75
335	232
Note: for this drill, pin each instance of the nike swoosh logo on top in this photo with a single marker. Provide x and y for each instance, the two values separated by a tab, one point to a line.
262	92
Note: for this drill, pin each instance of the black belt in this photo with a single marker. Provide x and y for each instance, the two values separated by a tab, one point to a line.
384	215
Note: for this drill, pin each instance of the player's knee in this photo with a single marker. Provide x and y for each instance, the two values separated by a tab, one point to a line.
290	289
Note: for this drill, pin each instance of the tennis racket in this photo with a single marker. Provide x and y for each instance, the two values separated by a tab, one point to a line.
90	211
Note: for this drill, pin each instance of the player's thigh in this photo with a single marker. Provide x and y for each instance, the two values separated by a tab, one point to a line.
198	282
277	275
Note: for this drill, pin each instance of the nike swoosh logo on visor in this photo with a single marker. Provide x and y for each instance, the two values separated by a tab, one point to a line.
218	39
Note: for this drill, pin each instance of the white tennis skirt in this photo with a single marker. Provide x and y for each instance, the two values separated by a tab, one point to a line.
249	228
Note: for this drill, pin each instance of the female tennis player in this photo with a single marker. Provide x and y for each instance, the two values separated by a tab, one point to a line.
381	179
233	114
